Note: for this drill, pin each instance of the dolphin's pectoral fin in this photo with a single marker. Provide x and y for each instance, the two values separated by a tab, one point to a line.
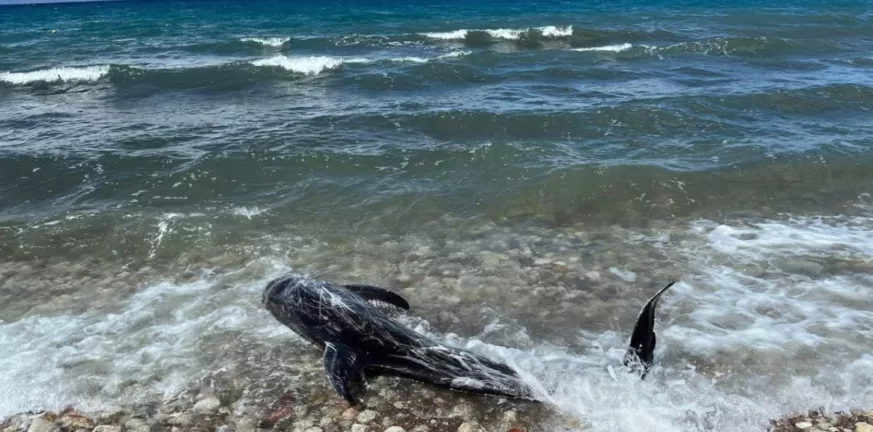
341	365
641	349
374	293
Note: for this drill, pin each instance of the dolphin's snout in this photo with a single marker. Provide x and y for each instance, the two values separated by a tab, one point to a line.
277	286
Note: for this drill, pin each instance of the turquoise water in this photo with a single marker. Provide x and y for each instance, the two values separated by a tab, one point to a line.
545	165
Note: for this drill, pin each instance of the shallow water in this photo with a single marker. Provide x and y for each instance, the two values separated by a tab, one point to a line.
525	174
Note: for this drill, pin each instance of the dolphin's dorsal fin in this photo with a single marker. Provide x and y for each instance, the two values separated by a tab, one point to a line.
643	339
341	364
374	293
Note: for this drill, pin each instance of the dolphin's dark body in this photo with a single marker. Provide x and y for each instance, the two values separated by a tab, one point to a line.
344	321
641	352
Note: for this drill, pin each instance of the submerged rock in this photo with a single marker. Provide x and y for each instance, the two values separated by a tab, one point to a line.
207	405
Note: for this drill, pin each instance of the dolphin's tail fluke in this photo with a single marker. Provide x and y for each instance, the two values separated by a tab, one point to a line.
641	350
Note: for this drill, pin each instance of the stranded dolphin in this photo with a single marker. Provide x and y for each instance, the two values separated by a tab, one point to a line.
355	334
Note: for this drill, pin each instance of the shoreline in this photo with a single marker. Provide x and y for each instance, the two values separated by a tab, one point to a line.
207	412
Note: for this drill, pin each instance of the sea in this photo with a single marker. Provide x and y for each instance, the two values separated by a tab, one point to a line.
525	173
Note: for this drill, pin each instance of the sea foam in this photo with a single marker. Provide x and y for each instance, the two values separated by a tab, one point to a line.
502	33
270	41
311	65
59	74
610	48
314	65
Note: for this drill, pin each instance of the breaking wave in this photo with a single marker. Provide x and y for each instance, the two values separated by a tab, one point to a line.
58	74
502	33
311	65
611	48
270	41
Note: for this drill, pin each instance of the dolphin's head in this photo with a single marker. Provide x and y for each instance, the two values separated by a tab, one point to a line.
277	287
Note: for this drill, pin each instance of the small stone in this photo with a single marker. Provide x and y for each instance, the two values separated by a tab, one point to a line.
803	425
207	405
350	414
42	425
182	419
134	422
863	427
395	429
367	416
593	275
359	428
466	427
313	429
74	421
245	425
510	417
107	428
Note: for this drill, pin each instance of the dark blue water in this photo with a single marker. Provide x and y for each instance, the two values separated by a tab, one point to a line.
544	165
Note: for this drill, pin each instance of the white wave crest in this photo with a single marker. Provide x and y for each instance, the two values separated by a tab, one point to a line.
60	74
316	64
452	35
270	41
311	65
509	34
552	31
452	54
502	33
610	48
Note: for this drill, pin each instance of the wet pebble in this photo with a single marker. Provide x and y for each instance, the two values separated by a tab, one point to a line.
42	425
367	416
136	425
510	417
395	429
863	427
350	414
359	428
207	405
313	429
466	427
182	419
107	428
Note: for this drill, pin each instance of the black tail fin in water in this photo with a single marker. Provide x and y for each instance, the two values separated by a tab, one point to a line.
641	351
